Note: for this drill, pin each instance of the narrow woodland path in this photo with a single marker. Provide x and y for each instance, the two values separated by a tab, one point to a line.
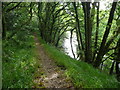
53	76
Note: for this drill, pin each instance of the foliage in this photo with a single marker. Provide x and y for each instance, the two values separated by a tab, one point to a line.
97	33
18	61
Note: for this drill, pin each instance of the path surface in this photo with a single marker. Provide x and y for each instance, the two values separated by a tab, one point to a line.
53	76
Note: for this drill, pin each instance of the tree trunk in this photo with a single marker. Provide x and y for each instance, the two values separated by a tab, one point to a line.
71	43
78	32
112	68
78	25
88	32
102	46
96	34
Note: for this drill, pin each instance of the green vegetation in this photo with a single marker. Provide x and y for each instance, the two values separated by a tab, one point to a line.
82	74
93	32
18	61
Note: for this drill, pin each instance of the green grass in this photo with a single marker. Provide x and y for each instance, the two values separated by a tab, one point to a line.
82	74
19	65
18	61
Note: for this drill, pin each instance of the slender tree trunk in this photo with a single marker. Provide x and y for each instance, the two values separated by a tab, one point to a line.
54	37
52	24
57	42
59	35
102	46
78	30
71	43
112	68
78	41
96	34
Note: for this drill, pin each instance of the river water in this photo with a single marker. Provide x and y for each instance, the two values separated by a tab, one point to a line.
67	45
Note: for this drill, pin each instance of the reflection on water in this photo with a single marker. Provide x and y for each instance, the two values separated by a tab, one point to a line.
67	45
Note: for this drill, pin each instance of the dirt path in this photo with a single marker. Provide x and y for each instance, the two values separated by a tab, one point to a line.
53	76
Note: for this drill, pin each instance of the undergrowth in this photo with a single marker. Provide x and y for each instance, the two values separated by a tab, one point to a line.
18	61
82	74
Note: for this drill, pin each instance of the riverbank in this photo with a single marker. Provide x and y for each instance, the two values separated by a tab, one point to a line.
82	74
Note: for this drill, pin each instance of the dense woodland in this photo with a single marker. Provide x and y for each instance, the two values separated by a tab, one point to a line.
97	32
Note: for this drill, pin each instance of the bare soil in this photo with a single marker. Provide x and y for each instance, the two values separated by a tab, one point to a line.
52	75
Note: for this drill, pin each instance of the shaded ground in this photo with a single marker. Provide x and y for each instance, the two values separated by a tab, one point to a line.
49	74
